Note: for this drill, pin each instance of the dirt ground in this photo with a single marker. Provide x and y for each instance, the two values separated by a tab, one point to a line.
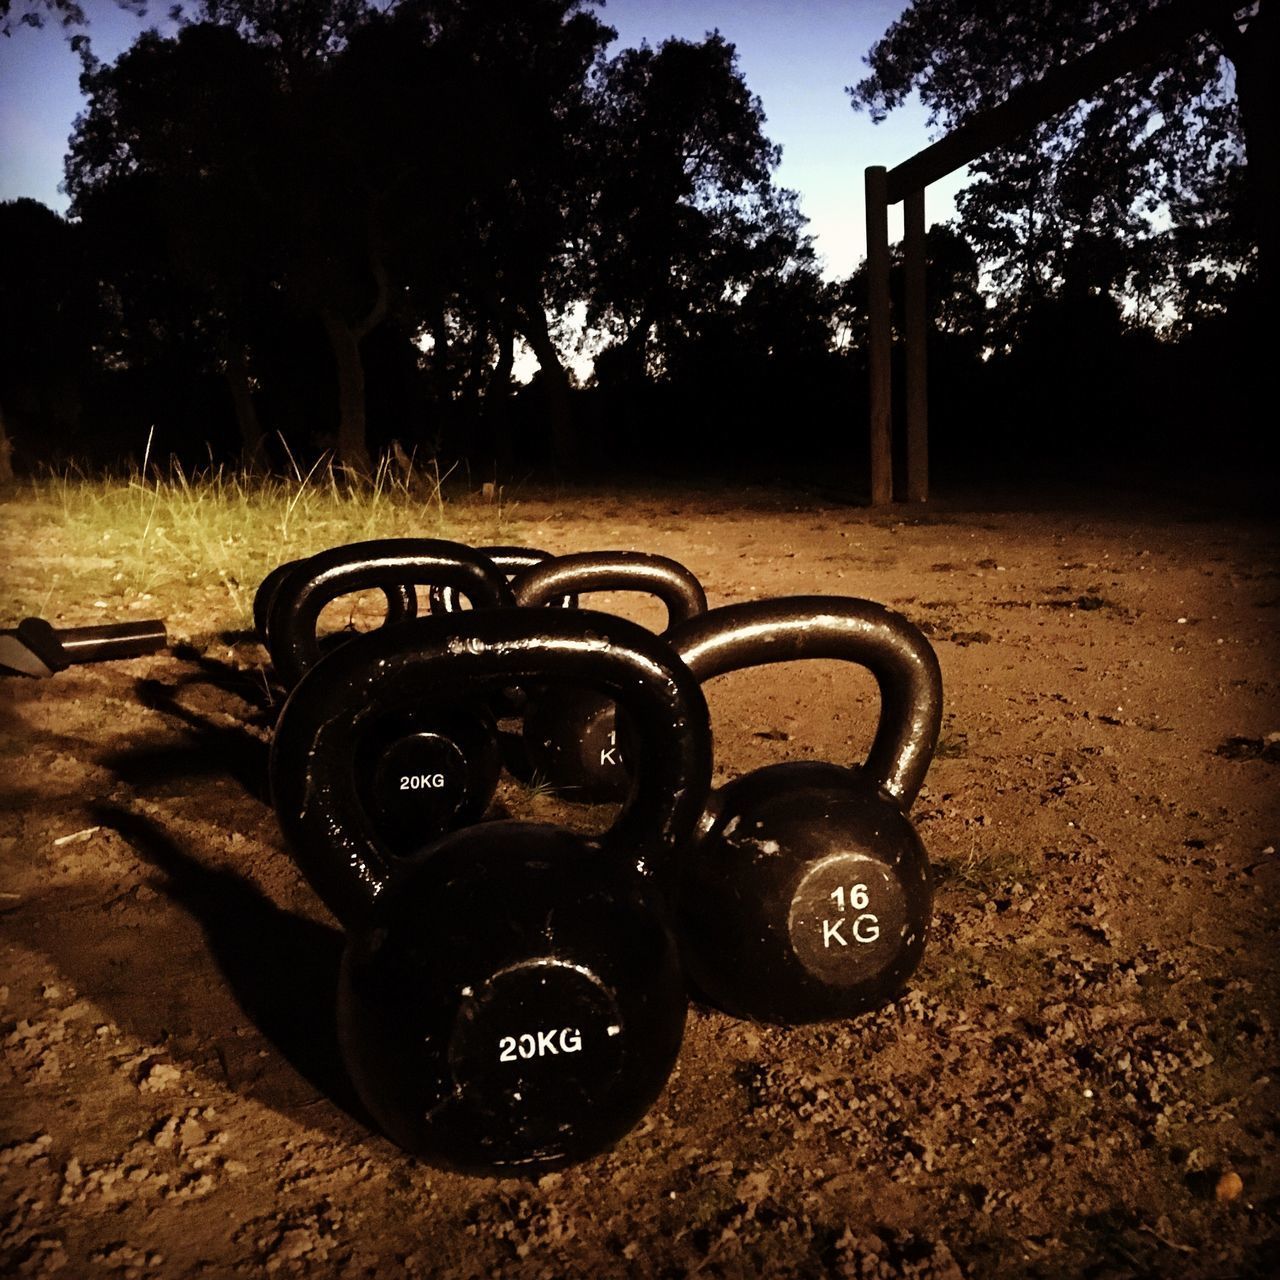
1080	1081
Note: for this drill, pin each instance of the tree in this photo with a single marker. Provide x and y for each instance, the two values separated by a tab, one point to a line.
34	13
49	321
518	77
396	159
683	213
167	170
1148	178
463	171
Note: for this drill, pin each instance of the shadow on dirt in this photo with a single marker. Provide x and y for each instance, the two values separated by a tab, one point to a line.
214	749
266	1030
252	687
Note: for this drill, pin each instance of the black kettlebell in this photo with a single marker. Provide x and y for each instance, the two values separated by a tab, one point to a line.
511	560
414	772
809	893
575	742
393	565
510	998
507	703
402	602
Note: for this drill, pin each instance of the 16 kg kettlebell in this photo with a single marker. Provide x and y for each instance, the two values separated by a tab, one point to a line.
510	997
809	893
575	742
414	772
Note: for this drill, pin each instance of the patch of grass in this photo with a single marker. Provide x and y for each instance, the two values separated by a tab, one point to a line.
987	870
535	787
73	539
951	746
955	974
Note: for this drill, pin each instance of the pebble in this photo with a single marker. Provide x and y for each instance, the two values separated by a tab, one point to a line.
1230	1185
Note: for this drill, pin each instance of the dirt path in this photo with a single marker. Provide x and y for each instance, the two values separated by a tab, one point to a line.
1080	1081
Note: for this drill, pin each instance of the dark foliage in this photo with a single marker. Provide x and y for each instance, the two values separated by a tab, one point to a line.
1143	189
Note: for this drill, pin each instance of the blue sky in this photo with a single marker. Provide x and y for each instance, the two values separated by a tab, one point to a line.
796	56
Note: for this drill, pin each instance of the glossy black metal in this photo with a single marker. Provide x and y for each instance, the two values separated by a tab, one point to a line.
402	601
511	998
266	593
809	895
511	560
36	648
576	743
389	564
509	703
421	774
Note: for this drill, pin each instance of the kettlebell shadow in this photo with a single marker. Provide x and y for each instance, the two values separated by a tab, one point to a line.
281	968
214	749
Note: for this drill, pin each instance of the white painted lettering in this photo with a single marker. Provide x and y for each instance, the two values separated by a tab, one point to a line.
868	931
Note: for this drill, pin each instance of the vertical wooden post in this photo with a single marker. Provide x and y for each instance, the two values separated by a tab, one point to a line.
881	407
917	329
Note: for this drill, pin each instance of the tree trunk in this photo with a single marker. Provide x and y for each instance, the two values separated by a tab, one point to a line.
252	443
564	448
440	355
353	448
497	394
1254	56
345	337
6	453
635	347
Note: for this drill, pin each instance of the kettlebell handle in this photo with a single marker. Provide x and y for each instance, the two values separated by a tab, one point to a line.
903	662
440	661
381	563
668	580
511	560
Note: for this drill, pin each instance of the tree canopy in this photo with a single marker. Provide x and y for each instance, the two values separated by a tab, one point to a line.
1153	190
468	171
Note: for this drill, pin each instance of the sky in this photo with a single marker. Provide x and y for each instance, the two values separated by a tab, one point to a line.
797	56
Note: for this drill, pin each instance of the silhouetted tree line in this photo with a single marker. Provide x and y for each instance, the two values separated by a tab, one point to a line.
331	224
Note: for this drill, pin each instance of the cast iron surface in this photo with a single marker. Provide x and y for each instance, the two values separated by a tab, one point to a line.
402	602
511	997
809	895
421	772
36	648
575	741
389	564
511	560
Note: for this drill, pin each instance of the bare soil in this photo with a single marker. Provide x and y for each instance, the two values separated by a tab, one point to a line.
1080	1081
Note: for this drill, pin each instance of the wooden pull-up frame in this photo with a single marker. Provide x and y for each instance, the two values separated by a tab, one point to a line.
1027	106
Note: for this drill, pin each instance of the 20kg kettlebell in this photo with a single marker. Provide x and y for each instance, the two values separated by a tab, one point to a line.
809	893
414	772
575	742
510	997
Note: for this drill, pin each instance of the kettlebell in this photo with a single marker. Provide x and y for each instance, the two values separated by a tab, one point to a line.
394	565
809	894
575	742
402	602
414	772
510	997
507	703
511	560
